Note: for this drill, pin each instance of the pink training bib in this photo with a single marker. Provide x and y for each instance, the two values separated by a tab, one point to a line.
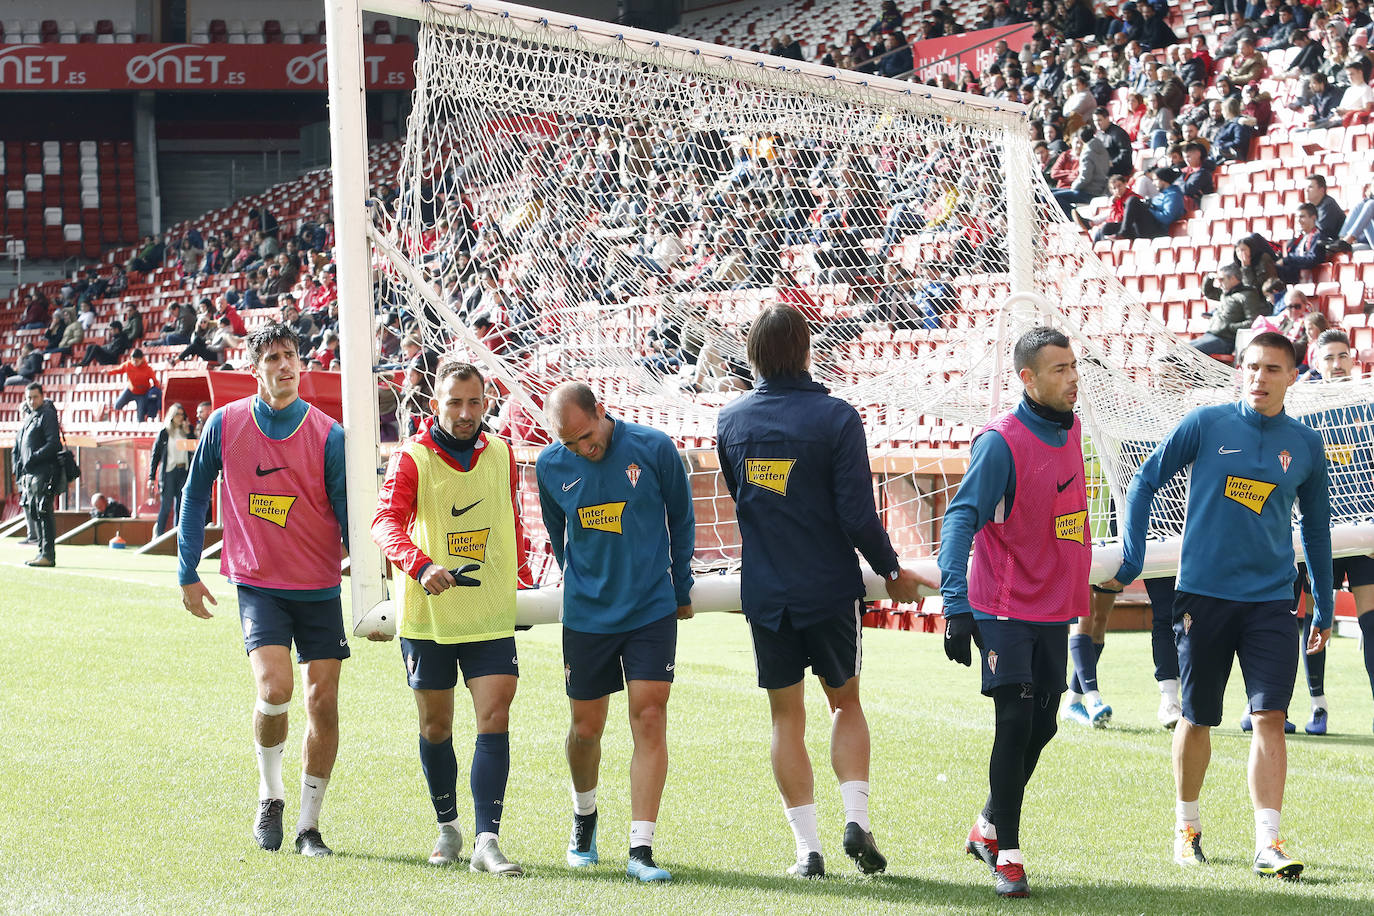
1033	565
279	527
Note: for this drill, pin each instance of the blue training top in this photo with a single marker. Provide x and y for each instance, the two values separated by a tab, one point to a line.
1348	433
621	528
206	464
1247	472
988	489
796	462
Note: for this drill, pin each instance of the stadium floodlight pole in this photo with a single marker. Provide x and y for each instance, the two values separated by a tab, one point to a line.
353	259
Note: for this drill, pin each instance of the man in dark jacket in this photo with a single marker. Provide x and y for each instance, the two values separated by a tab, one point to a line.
26	368
796	464
111	351
1239	306
35	468
1117	142
103	506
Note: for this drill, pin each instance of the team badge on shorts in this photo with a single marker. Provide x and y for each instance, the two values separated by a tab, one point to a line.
410	664
1187	623
632	472
992	662
1285	460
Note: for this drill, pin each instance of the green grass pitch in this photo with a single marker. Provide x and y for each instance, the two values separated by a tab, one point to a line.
129	786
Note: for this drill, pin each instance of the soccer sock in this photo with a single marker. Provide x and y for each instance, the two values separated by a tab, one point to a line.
1266	827
1367	642
1316	664
1084	661
441	775
584	802
490	769
269	771
986	827
802	820
1187	814
642	839
312	798
1169	688
1009	855
854	794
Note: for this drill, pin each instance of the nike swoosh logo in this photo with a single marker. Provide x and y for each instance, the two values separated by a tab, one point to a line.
569	486
457	512
1223	450
1061	486
669	668
263	472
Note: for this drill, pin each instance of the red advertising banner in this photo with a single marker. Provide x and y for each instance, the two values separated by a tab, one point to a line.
217	67
969	49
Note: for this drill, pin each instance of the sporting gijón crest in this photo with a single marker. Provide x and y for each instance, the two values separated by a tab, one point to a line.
632	472
1285	460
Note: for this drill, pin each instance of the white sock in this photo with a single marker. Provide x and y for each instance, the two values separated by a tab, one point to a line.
854	794
584	802
1169	687
802	820
1319	702
1186	814
1009	855
269	771
482	840
1266	827
641	833
987	828
1071	698
1093	697
312	797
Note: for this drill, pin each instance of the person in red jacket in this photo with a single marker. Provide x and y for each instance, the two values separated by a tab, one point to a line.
143	389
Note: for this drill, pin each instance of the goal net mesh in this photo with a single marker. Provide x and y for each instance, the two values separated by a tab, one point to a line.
572	206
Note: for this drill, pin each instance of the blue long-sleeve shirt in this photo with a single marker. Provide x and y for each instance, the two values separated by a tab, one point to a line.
1167	205
207	462
622	529
1349	436
987	491
796	462
1247	472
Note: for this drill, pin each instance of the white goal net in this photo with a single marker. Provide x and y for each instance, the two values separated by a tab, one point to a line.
578	201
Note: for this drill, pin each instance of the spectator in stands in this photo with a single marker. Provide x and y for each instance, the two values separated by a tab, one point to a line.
244	256
1330	216
1281	29
227	309
214	260
1197	173
37	471
103	506
35	315
212	338
203	411
1195	109
273	288
111	351
889	19
72	334
1323	99
859	55
1046	162
26	368
1358	229
1241	30
898	58
1307	59
149	258
1079	105
1154	33
52	335
1094	165
301	323
1277	292
1302	252
86	316
1237	308
1077	19
1109	223
1255	260
1256	108
1154	126
264	221
180	325
133	322
143	389
327	353
1231	141
169	465
1357	103
289	267
1312	326
189	258
1334	62
1152	218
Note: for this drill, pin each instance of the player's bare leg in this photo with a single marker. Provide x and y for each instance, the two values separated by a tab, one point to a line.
583	748
491	699
1192	752
318	750
793	774
849	756
272	676
1268	771
648	772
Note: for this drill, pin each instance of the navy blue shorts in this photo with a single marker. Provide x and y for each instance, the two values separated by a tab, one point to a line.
596	665
1211	633
1352	572
833	649
1020	652
434	665
271	620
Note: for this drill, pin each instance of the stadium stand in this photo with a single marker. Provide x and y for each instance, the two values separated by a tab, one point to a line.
73	200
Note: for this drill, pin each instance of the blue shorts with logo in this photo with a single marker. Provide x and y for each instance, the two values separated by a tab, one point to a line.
434	665
596	665
1022	652
1211	633
316	627
833	649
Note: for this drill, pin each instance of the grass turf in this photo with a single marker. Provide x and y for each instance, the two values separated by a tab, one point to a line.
129	783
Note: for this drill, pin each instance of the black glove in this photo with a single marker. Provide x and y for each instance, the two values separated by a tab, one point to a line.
461	577
958	633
